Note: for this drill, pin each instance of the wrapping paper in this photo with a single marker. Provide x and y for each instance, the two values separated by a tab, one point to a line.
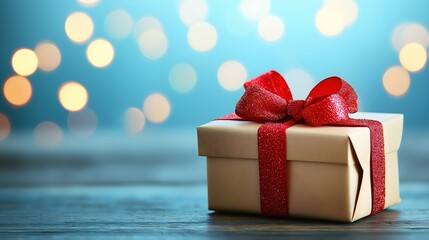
328	167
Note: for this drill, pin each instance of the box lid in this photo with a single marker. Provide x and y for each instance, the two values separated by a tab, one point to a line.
332	144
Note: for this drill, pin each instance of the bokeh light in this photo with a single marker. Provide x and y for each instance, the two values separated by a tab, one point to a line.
413	57
118	24
193	11
409	33
48	55
156	108
88	3
255	9
82	123
48	134
202	36
396	80
79	27
182	77
232	75
329	22
24	62
144	24
335	16
300	83
134	120
153	43
271	28
17	90
73	96
100	53
347	8
4	127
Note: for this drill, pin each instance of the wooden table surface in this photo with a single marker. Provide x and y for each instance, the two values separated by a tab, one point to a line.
180	212
153	187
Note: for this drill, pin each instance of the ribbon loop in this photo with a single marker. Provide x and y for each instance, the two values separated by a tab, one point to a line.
260	105
329	110
268	99
273	82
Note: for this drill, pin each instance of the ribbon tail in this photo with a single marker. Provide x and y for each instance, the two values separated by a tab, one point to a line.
378	167
272	168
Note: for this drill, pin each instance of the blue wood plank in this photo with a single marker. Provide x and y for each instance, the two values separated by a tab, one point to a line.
180	212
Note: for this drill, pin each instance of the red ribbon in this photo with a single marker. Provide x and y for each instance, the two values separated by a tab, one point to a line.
268	100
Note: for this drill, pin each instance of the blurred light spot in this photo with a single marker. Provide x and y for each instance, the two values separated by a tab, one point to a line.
134	120
24	62
271	28
100	53
202	36
144	24
88	3
413	57
335	16
79	27
347	8
153	43
48	134
329	22
73	96
396	80
82	123
182	77
232	75
156	108
300	83
48	55
4	127
255	9
409	33
118	24
17	90
193	11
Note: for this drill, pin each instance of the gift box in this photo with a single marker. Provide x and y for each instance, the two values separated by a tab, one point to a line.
328	167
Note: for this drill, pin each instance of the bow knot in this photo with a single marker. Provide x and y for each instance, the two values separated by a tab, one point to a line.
268	99
294	109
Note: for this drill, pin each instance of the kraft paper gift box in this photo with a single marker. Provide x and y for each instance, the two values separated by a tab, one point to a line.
328	167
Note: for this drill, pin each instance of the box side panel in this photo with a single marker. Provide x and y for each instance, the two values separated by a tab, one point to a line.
361	151
236	141
321	190
316	190
392	180
364	203
233	184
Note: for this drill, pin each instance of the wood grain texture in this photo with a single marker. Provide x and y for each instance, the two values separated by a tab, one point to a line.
180	212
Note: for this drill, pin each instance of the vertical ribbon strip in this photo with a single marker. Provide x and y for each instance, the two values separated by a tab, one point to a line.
272	168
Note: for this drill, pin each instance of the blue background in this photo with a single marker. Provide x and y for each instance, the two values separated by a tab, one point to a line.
360	54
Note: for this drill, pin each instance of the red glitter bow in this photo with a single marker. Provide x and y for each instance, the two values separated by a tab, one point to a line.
268	99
